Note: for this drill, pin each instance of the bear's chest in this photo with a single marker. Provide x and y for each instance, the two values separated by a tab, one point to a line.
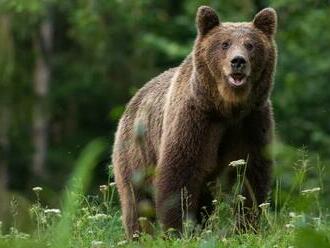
224	144
209	158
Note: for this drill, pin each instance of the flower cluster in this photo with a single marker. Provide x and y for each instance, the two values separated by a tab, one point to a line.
237	163
98	217
53	211
264	205
310	191
37	189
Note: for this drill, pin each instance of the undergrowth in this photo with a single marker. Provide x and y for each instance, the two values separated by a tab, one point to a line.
293	217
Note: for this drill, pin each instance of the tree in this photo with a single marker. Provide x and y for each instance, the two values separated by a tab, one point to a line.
6	66
43	44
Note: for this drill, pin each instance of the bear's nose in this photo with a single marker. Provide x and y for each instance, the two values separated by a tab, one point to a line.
238	63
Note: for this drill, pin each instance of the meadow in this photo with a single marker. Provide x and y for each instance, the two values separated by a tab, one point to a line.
291	218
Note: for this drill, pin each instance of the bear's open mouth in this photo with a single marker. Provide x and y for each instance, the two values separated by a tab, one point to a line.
237	79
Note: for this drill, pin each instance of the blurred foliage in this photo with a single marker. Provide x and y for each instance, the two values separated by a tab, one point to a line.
303	74
105	50
307	237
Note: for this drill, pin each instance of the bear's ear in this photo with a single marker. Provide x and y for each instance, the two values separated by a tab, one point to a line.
206	19
266	21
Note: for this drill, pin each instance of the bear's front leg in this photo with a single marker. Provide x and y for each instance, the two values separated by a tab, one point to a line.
177	198
258	132
257	184
179	173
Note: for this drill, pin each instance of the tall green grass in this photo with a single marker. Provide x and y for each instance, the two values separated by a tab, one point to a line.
293	216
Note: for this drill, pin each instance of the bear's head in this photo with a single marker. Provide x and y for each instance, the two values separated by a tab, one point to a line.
238	59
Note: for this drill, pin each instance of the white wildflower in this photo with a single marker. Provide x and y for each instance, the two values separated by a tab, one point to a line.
103	188
98	217
171	230
112	184
37	189
25	236
143	218
135	235
124	242
308	191
214	202
237	163
292	214
264	205
289	225
52	211
241	197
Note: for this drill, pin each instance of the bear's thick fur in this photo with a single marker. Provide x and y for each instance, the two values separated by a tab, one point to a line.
183	128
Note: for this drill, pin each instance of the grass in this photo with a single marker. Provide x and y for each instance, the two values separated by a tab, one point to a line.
295	216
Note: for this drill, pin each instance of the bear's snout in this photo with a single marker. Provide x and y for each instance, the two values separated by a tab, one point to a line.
238	70
238	63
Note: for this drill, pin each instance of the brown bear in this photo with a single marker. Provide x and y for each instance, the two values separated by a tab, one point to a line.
190	122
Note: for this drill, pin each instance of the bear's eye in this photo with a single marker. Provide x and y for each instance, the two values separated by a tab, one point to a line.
225	45
249	46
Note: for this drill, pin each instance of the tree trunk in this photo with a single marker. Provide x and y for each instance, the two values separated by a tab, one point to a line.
4	146
42	76
6	66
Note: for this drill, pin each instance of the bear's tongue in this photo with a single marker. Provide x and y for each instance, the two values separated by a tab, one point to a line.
237	79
